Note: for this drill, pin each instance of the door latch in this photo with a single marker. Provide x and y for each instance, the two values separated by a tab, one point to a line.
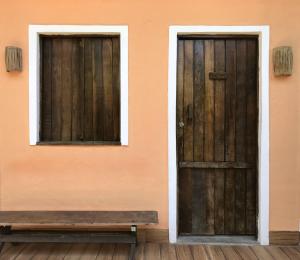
181	124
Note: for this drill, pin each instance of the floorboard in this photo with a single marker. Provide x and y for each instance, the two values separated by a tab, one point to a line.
147	251
59	251
75	252
152	251
91	252
291	252
167	251
44	251
230	253
140	252
106	252
121	252
215	252
277	253
12	252
261	252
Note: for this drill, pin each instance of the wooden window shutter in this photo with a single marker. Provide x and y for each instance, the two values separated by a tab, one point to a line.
80	90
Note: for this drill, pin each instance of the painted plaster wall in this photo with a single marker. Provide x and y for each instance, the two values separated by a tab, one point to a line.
135	177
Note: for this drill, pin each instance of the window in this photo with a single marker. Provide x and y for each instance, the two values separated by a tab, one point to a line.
78	85
80	89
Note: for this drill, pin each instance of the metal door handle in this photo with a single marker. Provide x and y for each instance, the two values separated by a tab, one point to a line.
181	124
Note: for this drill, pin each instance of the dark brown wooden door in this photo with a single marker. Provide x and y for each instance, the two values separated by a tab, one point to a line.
217	140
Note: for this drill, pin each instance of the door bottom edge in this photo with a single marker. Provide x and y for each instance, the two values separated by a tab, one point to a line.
218	240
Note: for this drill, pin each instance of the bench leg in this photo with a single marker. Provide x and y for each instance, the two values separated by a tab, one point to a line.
5	230
133	245
132	252
1	246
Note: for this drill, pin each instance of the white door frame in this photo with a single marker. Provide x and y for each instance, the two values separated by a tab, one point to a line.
263	125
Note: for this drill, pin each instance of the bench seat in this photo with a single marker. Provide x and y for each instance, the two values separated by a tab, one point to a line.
73	218
98	218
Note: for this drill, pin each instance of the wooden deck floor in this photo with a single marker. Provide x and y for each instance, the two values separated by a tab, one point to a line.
145	252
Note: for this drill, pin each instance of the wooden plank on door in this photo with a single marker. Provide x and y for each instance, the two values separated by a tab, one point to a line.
179	99
209	135
199	98
209	102
186	176
251	135
188	104
241	125
185	210
219	141
230	97
185	201
199	201
199	214
219	102
230	108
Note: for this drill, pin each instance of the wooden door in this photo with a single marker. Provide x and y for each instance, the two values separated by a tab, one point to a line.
217	136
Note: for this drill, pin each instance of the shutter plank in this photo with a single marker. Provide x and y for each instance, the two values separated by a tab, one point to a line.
77	89
98	92
46	90
56	89
116	88
108	90
88	90
66	102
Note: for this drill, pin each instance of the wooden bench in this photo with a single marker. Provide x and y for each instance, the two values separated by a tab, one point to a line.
8	219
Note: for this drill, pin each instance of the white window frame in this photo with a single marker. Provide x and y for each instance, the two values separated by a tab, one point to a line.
34	70
263	125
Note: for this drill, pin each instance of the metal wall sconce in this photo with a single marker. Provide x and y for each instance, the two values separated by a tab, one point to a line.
13	58
283	61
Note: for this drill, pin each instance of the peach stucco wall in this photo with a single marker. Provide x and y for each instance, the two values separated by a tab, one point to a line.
135	177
